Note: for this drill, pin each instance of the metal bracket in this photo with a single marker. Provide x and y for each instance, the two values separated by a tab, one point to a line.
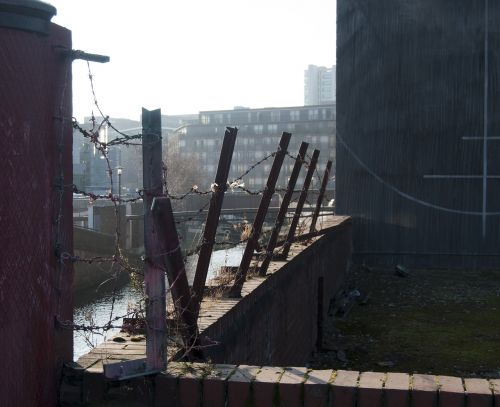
77	54
127	369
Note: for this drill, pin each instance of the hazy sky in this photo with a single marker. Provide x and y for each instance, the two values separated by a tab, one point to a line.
191	55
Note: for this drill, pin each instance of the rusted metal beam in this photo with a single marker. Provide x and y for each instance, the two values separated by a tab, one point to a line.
252	243
284	208
300	204
154	276
172	261
324	182
213	215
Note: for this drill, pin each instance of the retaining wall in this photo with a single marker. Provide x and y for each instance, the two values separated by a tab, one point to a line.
280	321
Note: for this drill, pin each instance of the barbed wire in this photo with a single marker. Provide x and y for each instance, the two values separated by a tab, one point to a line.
118	261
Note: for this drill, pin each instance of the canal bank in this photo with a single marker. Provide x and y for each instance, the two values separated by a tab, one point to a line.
116	298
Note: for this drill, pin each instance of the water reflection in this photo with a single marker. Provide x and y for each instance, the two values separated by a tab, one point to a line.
95	307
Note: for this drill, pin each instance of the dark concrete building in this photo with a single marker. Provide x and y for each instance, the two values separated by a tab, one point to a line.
418	135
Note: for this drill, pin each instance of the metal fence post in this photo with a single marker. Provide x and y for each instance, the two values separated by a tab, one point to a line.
300	204
241	274
283	208
213	214
154	276
319	202
171	258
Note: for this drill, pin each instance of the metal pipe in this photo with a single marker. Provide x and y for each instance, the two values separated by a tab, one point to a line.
284	208
319	202
300	204
241	274
213	215
170	256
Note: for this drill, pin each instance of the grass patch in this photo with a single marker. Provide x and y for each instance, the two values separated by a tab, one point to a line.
438	322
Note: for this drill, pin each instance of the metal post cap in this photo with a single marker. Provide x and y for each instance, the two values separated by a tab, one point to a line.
26	15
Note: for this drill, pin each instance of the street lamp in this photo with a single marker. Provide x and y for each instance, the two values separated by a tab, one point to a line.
119	171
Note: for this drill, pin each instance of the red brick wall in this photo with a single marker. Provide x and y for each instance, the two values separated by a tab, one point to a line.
197	385
277	323
35	89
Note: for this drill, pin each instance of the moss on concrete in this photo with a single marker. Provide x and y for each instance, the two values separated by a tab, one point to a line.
433	321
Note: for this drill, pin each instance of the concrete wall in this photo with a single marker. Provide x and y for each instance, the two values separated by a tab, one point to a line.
103	219
411	94
277	324
35	213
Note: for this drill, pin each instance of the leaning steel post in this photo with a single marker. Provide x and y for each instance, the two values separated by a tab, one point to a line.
300	204
241	274
283	208
154	275
319	202
173	263
212	221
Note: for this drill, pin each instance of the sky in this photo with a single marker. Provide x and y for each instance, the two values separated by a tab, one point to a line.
191	55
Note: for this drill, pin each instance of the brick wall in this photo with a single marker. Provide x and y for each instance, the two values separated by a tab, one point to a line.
277	324
197	385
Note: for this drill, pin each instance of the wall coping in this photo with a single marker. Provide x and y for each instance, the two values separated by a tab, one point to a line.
243	385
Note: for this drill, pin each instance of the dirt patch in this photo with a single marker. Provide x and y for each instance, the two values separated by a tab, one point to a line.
418	321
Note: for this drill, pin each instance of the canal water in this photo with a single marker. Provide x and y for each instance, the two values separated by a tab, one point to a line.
98	307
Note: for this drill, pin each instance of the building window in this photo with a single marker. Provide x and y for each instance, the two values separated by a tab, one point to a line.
275	115
272	128
295	115
205	119
258	128
313	114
